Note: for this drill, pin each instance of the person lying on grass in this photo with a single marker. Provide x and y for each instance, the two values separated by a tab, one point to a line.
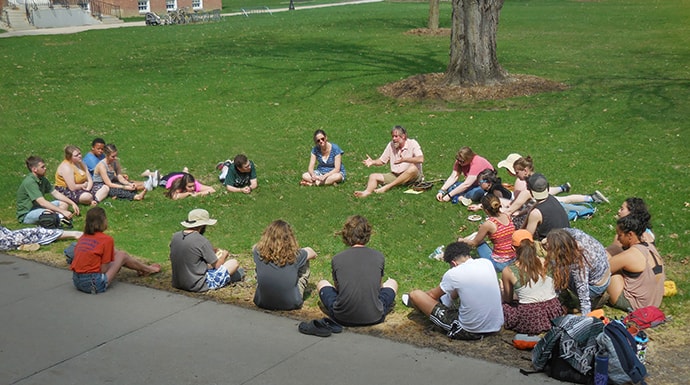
96	261
239	175
182	184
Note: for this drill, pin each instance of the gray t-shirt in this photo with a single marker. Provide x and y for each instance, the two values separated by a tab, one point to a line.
190	255
357	273
276	286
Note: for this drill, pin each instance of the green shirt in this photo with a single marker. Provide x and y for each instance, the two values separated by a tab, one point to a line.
32	188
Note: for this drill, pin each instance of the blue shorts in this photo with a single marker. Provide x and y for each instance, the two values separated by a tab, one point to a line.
220	277
328	295
91	283
217	278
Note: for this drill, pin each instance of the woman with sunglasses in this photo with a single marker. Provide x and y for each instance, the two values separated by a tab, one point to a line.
325	164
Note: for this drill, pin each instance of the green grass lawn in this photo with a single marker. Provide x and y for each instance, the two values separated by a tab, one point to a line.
193	95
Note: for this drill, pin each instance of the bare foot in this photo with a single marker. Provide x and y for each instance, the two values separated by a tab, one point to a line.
362	194
305	183
153	269
146	173
140	196
381	190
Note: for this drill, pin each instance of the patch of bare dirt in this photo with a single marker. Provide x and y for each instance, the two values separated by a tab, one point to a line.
429	32
431	87
667	358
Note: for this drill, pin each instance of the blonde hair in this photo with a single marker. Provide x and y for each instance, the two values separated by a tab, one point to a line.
278	244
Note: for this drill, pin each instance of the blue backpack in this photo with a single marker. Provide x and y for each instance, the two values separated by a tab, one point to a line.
579	211
624	366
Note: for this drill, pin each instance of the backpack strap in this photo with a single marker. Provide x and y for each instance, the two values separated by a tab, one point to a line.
626	354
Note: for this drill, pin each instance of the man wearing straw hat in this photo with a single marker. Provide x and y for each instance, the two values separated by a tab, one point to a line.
196	265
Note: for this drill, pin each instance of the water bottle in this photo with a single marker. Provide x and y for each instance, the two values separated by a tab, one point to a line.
641	339
601	368
437	254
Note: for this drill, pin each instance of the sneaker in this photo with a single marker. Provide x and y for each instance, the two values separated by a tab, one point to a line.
598	197
156	178
148	185
405	299
565	187
465	201
66	223
238	275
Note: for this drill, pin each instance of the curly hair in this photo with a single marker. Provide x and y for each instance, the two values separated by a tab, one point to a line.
638	208
562	251
356	231
278	244
530	267
631	223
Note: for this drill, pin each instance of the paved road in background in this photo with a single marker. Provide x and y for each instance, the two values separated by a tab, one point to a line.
69	30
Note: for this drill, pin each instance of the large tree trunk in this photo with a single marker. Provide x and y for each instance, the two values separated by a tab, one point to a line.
473	59
433	14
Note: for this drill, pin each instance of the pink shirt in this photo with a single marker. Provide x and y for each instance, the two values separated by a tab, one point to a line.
410	149
477	165
197	185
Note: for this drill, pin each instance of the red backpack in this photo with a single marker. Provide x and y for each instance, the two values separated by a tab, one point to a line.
646	317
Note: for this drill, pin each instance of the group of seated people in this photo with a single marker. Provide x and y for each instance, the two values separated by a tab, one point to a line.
545	266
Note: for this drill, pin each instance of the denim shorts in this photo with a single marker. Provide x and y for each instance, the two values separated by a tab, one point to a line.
90	283
32	216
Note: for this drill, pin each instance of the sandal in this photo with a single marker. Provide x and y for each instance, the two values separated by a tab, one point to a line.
334	326
315	328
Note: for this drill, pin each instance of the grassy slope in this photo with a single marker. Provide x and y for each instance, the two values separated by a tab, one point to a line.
193	95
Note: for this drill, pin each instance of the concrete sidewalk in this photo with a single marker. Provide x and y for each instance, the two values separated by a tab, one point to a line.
53	334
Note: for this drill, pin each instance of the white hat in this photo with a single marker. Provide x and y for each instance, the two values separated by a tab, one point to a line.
508	162
197	218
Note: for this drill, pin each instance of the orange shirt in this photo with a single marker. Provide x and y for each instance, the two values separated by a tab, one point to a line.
91	252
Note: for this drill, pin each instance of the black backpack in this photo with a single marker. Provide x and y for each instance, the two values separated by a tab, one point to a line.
50	220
